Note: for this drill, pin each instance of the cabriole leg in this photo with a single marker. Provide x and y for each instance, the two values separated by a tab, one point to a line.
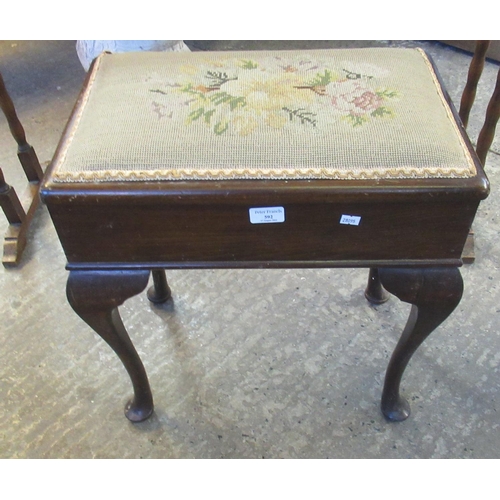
95	297
434	293
160	291
375	292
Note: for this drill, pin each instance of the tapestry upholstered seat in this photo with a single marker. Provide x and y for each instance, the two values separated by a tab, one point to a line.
324	158
324	114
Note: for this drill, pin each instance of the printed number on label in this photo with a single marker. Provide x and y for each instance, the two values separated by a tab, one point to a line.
351	220
267	215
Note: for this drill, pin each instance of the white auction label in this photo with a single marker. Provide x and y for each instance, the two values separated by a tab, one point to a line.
351	220
267	215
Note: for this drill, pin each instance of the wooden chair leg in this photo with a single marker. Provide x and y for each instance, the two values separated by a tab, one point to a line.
160	291
473	76
26	153
16	234
375	292
19	218
95	297
468	253
10	203
487	133
434	293
485	138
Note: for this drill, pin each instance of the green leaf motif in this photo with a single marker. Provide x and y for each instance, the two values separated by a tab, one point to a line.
194	115
301	114
247	64
356	120
352	75
382	111
387	94
221	127
158	91
208	115
224	97
220	98
322	79
189	89
237	102
218	78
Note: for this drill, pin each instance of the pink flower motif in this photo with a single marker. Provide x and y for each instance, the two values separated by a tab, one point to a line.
368	101
350	97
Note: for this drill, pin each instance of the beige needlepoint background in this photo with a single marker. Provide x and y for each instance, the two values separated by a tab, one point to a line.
319	114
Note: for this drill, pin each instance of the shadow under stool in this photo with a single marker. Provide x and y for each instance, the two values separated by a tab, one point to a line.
265	159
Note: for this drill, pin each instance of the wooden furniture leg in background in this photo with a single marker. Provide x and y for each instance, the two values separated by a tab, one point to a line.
434	293
375	292
15	238
484	142
487	133
475	70
95	297
10	203
160	291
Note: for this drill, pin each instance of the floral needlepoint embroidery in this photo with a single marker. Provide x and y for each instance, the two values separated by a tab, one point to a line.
247	64
357	103
242	96
340	114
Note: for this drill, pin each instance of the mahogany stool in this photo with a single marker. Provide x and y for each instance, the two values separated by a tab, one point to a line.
266	159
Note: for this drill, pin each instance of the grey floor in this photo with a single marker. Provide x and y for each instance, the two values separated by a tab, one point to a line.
243	363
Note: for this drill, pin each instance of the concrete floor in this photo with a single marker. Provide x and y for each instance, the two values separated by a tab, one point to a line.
243	364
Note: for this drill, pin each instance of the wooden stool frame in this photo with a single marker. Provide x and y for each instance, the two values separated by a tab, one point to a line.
411	236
